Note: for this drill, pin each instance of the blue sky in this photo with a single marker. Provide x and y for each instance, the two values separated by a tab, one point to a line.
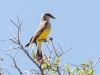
77	25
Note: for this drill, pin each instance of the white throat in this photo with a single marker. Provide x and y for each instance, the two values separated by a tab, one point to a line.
46	19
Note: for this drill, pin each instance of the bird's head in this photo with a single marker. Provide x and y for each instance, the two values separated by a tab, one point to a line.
47	16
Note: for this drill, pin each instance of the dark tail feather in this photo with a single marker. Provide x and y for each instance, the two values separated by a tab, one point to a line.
39	56
30	42
27	44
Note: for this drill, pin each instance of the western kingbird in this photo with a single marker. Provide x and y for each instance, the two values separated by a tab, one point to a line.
41	34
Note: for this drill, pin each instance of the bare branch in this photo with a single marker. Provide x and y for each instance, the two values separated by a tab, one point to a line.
12	31
65	52
96	62
60	47
54	47
11	48
14	62
8	72
58	70
13	41
4	40
19	22
73	64
14	23
30	70
47	47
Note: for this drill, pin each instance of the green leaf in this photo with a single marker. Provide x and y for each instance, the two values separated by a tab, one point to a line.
49	66
79	72
43	66
56	62
48	59
33	54
66	67
84	64
72	70
52	72
77	69
63	73
91	72
32	47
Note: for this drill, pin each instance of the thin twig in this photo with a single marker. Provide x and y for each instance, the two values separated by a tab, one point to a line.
8	72
18	21
73	64
13	41
30	70
65	52
14	23
12	31
47	47
58	70
15	65
54	48
96	62
60	47
4	39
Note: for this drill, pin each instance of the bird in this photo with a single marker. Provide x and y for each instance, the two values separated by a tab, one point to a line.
41	33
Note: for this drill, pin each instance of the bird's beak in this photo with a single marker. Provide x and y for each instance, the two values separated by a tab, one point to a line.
53	17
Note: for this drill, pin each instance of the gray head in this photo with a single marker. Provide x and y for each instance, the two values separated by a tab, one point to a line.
47	16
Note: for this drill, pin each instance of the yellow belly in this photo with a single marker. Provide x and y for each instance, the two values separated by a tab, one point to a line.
45	33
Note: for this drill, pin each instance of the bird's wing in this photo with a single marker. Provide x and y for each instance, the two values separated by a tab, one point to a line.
40	29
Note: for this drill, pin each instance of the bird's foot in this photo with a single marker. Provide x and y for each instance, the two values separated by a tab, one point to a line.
48	38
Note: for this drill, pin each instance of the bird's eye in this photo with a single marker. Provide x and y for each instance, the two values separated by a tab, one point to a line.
49	15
